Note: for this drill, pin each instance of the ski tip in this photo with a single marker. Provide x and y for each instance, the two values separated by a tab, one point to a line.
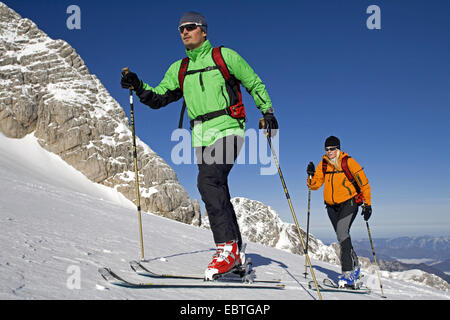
105	273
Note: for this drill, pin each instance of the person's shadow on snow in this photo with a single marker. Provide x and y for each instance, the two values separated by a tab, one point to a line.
331	274
258	260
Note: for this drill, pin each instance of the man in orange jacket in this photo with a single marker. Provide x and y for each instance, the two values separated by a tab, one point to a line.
342	198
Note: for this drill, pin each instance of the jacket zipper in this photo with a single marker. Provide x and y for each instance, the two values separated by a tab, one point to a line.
226	100
260	98
201	82
343	184
359	179
332	187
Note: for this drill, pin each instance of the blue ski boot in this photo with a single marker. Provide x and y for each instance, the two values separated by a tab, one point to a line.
348	279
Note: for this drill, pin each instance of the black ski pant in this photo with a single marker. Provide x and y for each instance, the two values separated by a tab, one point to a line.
214	165
342	216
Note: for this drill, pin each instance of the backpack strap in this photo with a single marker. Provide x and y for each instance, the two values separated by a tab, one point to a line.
324	167
229	78
183	109
182	72
348	174
181	76
220	62
344	165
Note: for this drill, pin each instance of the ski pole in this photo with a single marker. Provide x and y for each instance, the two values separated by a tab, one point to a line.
136	175
375	259
307	223
262	125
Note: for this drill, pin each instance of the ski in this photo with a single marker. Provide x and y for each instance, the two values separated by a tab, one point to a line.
233	275
358	285
329	285
117	280
332	289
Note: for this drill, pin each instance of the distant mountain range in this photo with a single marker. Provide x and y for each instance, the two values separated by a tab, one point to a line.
424	247
426	253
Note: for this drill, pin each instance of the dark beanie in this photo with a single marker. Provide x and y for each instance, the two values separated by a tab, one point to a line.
192	16
333	141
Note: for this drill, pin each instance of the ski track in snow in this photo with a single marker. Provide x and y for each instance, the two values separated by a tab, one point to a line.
54	221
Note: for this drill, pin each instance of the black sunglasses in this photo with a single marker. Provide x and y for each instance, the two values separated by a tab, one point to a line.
331	148
189	27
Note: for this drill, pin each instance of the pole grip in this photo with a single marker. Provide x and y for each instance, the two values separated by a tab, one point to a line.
262	125
125	71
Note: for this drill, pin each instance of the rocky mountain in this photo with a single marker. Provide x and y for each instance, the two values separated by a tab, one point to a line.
46	90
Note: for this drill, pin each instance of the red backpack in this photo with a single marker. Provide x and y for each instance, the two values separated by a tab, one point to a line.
236	109
359	198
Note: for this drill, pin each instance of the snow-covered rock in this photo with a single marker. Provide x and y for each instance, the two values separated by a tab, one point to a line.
419	276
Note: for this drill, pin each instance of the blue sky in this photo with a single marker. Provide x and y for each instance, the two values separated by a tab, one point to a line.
385	93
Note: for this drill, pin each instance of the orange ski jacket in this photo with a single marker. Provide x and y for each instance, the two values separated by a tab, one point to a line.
337	187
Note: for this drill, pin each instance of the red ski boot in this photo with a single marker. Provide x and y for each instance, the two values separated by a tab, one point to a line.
226	258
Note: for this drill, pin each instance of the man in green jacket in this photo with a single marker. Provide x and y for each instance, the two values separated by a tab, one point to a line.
217	132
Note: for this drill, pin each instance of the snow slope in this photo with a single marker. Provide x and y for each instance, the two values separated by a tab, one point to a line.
57	228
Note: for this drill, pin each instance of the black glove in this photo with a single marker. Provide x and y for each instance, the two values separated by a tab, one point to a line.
130	80
366	212
270	123
311	169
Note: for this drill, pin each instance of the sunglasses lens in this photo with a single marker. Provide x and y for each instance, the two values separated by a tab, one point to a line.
330	149
191	27
188	27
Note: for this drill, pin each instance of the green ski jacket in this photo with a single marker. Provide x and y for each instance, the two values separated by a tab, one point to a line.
205	92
